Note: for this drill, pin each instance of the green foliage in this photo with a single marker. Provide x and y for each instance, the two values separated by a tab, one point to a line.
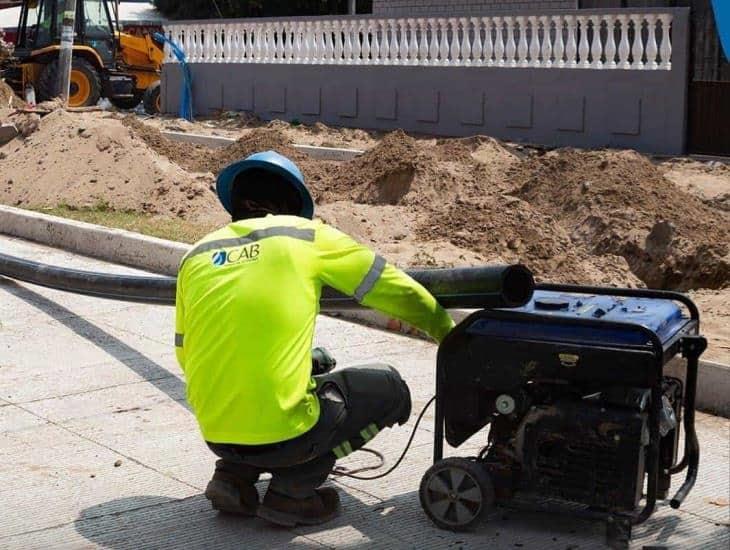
204	9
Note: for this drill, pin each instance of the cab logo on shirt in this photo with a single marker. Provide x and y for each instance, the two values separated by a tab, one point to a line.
239	255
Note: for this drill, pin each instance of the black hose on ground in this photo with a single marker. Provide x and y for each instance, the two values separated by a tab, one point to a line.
468	288
127	288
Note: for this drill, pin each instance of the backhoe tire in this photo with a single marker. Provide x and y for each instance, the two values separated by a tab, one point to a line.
151	99
127	102
85	83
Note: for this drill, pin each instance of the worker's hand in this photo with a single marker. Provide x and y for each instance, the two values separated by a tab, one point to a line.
322	361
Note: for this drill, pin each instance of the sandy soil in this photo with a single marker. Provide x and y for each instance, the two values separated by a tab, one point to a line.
714	306
8	100
91	159
235	125
586	217
707	180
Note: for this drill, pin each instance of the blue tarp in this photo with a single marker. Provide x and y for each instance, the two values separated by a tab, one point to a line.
722	21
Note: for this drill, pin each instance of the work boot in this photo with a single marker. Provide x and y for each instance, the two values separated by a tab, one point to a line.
232	495
289	511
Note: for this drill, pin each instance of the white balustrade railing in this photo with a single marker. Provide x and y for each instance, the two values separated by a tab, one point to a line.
639	41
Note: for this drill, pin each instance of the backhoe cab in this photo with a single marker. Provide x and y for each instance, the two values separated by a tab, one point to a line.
106	62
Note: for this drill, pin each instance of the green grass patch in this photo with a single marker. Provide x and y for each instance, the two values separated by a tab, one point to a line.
173	229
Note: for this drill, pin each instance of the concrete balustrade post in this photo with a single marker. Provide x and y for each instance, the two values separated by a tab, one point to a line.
499	42
546	52
522	47
637	49
477	45
583	47
596	44
651	45
610	51
511	48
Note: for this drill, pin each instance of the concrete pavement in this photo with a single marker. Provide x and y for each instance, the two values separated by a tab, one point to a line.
98	449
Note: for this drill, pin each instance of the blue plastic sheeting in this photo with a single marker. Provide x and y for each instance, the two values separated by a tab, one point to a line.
722	22
186	95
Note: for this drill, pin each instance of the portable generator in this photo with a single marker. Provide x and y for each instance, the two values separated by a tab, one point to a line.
582	418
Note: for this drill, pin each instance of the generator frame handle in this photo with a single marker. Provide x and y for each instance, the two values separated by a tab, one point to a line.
691	453
692	348
629	293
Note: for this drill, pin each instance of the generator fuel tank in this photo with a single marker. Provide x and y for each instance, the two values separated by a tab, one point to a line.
662	317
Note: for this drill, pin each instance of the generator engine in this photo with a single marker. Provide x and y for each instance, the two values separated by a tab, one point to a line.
581	415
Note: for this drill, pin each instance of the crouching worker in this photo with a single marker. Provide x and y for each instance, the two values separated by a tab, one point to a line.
247	299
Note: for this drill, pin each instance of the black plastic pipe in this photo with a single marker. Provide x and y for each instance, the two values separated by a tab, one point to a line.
470	287
127	288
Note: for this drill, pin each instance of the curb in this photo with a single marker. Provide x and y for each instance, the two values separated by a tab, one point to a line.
162	256
713	385
113	245
316	152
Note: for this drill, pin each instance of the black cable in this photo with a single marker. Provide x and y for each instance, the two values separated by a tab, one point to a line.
342	471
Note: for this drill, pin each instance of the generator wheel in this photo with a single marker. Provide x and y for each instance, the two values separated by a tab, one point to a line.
456	493
152	101
85	83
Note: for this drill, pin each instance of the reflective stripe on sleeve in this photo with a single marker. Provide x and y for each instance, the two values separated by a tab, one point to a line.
179	340
371	277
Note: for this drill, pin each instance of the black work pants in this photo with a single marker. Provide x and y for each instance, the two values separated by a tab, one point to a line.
355	404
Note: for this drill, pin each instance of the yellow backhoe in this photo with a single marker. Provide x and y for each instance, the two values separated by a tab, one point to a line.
106	62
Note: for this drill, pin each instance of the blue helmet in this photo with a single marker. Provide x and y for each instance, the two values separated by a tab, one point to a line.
270	161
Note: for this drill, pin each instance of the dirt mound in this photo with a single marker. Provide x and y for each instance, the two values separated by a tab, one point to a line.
197	158
503	228
186	155
84	160
386	173
259	139
482	149
617	202
457	191
401	170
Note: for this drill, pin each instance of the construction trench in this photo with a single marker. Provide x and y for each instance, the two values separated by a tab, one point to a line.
606	218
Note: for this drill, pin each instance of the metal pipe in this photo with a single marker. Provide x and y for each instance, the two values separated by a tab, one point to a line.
693	348
473	287
65	53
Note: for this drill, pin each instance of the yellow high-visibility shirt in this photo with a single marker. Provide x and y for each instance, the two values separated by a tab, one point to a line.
247	299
